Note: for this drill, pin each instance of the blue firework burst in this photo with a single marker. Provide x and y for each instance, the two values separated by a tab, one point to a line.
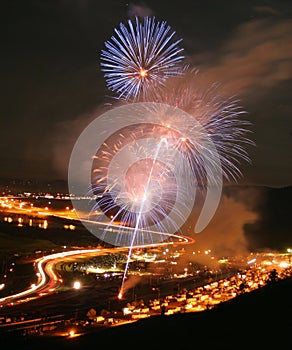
141	56
221	117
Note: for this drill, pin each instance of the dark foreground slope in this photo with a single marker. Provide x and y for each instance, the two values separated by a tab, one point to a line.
261	319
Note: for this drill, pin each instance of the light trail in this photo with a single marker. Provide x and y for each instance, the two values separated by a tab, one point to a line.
48	279
120	295
50	272
116	228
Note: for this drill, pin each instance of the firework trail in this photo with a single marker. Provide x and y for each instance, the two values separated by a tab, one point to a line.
140	56
145	193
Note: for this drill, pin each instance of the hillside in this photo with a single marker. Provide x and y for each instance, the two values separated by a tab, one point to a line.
261	319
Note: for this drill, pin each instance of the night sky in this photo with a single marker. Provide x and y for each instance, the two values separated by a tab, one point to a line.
52	85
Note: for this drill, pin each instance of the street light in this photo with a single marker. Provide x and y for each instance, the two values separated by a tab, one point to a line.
77	285
157	289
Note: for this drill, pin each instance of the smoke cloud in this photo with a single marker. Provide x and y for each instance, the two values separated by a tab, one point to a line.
65	136
131	282
258	56
225	235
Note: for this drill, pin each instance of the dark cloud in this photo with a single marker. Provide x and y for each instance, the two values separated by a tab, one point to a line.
267	10
255	64
139	10
272	229
257	57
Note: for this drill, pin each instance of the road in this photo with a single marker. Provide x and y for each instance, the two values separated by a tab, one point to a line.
49	281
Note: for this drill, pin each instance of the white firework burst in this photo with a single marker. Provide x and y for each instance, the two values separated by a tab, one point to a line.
141	55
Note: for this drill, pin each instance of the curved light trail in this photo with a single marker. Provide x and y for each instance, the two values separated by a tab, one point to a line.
49	280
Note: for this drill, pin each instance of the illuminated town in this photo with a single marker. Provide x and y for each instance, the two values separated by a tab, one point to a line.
158	283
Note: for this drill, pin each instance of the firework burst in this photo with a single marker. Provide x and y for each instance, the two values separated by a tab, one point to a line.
147	165
221	116
140	56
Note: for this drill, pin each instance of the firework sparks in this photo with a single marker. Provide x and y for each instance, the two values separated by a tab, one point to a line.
140	56
221	116
137	140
